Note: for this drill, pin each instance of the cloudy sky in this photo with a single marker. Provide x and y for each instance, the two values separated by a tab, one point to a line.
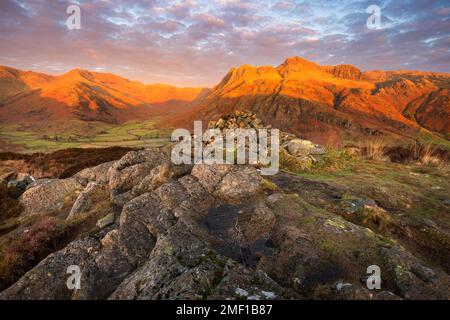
195	42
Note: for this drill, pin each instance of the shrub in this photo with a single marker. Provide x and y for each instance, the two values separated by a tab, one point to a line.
27	250
423	154
9	207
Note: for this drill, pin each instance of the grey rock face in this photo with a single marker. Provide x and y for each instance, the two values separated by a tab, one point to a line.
303	148
46	196
160	241
106	221
98	173
88	198
213	233
240	183
129	171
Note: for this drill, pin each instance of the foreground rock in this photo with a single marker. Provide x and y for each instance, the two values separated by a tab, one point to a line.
48	195
218	232
89	198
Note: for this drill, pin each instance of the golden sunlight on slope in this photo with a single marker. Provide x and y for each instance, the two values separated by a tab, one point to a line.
307	98
80	94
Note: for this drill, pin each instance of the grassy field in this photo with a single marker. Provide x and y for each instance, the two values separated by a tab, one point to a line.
82	135
426	136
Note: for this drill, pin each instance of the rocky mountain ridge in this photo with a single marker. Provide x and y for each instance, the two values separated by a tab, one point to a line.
325	103
27	97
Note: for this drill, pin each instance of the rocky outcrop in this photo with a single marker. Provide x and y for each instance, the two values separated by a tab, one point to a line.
302	148
216	232
48	195
88	198
130	170
345	71
96	174
161	239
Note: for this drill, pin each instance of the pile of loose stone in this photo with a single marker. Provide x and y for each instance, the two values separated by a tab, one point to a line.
236	120
294	146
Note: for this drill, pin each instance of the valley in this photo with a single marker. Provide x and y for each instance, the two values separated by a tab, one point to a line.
326	104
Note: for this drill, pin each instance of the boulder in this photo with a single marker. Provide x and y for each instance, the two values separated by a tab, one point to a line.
159	175
209	176
303	148
98	173
238	184
106	221
49	195
130	170
94	193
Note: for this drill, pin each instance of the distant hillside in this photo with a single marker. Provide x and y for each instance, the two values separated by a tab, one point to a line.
37	99
328	102
321	103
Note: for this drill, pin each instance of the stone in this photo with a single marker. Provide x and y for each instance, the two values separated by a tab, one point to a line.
159	175
239	184
98	173
131	169
209	176
301	148
47	196
94	193
105	221
241	292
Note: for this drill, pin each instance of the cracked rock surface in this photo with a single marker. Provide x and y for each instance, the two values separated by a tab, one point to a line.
218	232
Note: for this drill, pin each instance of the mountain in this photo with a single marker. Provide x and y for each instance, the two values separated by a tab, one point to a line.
35	98
320	103
329	102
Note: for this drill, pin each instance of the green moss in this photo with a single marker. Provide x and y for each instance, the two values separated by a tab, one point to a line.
335	223
268	185
168	250
385	241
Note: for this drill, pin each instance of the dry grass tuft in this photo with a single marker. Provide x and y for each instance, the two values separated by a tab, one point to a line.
427	155
375	150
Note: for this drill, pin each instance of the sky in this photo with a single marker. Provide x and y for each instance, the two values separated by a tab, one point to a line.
196	42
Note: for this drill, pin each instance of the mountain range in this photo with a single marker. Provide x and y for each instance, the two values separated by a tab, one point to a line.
323	103
31	97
